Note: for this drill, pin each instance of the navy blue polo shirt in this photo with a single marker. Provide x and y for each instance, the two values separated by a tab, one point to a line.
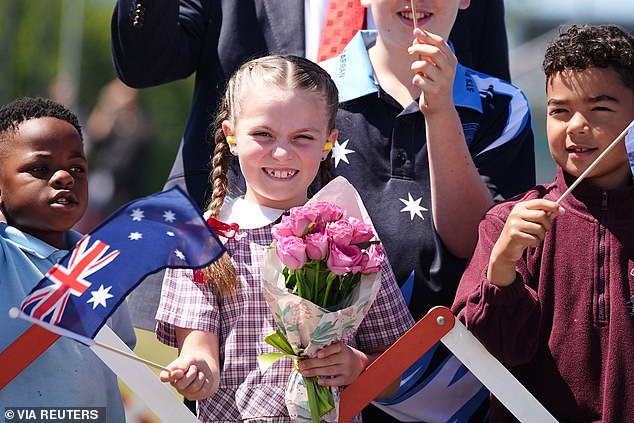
382	151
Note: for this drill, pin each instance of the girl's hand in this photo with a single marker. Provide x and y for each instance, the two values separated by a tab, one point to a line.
190	376
341	364
525	227
435	71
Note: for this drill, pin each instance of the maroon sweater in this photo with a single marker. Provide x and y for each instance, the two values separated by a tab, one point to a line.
565	327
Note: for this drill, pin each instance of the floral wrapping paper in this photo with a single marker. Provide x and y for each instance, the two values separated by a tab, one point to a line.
308	327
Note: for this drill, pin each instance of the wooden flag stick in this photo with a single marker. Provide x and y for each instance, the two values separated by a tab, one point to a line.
14	313
595	163
413	6
414	13
131	356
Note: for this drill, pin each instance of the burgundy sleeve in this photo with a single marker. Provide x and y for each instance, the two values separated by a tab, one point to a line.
506	320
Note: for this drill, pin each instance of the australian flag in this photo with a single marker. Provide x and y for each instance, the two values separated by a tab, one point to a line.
77	295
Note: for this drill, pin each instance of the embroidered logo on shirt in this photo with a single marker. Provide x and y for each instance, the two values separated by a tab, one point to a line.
340	152
413	207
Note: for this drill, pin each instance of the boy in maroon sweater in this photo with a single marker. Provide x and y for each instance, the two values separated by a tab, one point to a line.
550	293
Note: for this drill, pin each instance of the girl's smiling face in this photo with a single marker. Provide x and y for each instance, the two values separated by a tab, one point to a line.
587	110
280	136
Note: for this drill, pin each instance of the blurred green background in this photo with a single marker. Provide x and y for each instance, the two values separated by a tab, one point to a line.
44	41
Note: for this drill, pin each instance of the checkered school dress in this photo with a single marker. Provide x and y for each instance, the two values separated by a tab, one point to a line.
243	320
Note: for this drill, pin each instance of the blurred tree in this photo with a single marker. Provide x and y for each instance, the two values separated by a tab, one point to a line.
30	32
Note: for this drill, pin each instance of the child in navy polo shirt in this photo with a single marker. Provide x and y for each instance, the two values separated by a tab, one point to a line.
429	144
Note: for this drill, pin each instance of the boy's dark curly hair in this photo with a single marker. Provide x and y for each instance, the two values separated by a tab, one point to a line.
27	108
587	46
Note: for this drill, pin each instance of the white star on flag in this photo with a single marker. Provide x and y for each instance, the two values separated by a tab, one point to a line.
413	207
169	216
100	296
137	215
340	152
135	236
179	254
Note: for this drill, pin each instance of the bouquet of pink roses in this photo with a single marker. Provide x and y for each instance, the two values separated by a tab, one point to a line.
325	253
320	280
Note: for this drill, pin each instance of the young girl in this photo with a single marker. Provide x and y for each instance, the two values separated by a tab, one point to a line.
278	118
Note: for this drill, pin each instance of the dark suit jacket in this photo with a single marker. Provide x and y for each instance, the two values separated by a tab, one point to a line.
173	39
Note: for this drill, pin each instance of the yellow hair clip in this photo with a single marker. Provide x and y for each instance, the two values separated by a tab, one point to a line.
328	146
231	140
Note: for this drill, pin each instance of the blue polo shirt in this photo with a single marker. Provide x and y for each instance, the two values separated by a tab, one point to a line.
382	151
68	373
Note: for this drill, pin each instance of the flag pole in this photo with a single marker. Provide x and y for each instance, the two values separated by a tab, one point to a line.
413	6
15	313
131	356
595	163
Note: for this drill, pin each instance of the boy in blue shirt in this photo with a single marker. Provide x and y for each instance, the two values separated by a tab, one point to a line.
43	193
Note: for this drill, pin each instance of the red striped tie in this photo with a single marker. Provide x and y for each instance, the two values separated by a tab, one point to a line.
343	19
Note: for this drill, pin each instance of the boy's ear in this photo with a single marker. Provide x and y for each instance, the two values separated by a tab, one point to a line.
464	4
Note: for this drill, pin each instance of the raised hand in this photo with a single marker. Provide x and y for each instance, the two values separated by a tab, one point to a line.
525	227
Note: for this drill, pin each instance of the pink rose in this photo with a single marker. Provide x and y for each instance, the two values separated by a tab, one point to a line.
362	231
340	231
372	259
292	252
328	212
344	259
282	230
301	219
317	246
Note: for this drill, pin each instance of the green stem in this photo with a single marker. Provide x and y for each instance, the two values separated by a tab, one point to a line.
316	280
325	301
313	403
298	284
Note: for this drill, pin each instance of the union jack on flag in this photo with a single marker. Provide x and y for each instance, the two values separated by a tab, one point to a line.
77	295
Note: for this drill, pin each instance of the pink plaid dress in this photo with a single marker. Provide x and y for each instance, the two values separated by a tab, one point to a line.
243	320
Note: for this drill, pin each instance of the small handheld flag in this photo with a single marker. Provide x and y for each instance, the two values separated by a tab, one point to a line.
77	295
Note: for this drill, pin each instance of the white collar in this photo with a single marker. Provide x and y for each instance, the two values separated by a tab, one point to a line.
248	215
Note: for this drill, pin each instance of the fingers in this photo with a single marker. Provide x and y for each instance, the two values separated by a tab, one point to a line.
335	365
434	68
535	217
190	377
428	42
526	226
